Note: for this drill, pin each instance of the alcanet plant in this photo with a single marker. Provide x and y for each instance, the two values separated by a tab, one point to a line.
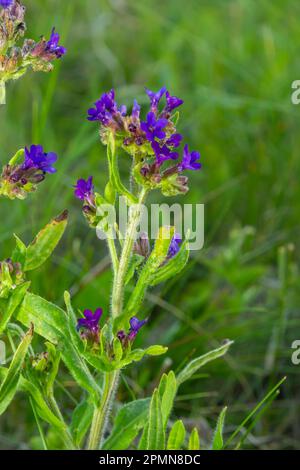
96	346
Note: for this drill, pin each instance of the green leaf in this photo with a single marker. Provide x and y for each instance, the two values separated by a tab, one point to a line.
217	443
156	350
200	361
156	434
115	179
19	253
176	436
167	391
135	261
8	307
81	420
50	323
45	242
118	350
42	408
10	383
194	441
129	421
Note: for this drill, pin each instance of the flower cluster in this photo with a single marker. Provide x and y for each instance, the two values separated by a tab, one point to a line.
88	325
15	60
25	171
152	142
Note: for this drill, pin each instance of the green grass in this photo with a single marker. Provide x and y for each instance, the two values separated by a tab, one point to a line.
233	62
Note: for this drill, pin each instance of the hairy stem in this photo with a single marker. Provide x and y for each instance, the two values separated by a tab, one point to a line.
66	435
2	92
118	286
101	413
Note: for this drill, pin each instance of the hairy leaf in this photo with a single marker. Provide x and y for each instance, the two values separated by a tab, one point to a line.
217	443
8	307
194	441
176	436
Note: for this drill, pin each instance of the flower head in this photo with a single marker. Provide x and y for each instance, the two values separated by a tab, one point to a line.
174	245
89	323
6	3
105	109
155	98
84	188
189	160
135	326
172	103
35	157
163	153
53	46
153	127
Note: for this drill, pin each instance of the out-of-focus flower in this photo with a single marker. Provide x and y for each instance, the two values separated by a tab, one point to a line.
53	46
155	97
6	3
174	245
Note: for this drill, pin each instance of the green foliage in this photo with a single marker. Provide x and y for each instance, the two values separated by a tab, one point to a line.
194	441
9	385
153	437
130	419
177	436
217	443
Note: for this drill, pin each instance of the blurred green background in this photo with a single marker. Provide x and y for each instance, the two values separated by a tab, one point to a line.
233	62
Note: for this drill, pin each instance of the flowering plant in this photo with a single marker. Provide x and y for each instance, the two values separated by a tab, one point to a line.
95	346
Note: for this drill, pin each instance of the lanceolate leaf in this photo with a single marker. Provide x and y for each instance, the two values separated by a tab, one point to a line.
10	383
129	421
45	242
81	421
176	436
200	361
51	323
194	441
155	439
8	307
217	443
167	391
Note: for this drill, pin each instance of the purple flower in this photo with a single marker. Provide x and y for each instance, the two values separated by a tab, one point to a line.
90	321
163	153
35	157
155	97
135	326
189	160
154	128
174	245
174	140
135	114
53	46
6	3
105	109
172	103
84	188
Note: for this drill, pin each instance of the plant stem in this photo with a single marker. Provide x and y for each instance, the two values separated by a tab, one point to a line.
66	433
118	286
2	92
113	254
101	413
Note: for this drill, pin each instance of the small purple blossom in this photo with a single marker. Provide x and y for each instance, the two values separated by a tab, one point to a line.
174	245
174	140
90	321
135	114
163	153
155	97
105	109
189	160
6	3
53	46
153	127
35	157
84	188
172	103
135	326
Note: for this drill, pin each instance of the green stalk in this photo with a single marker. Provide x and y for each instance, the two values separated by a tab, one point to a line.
118	285
101	413
2	92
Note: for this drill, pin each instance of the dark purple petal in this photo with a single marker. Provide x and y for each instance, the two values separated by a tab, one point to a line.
6	3
172	102
135	114
90	320
155	97
84	188
163	153
154	128
174	140
174	245
35	157
53	46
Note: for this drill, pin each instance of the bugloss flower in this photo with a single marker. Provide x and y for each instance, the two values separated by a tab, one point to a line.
25	171
155	97
189	160
174	245
154	128
135	326
44	52
84	189
6	3
89	324
53	46
107	111
163	153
